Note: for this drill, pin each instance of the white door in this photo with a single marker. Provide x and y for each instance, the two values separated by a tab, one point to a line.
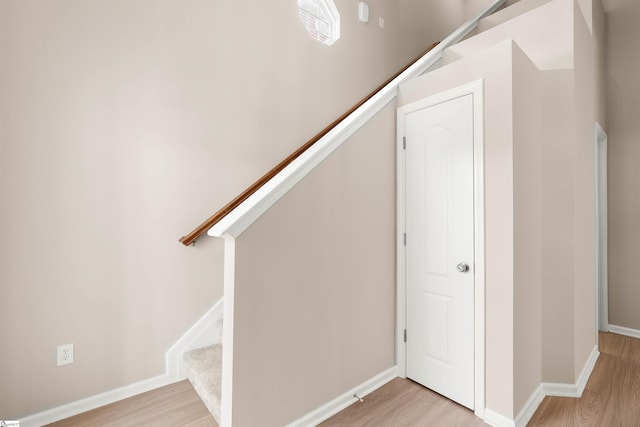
440	248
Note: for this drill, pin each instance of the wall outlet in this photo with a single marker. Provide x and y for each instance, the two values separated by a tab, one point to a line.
65	354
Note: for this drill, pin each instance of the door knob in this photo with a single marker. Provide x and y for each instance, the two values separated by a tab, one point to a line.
462	267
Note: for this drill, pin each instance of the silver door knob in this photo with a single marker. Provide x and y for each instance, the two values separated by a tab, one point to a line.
462	267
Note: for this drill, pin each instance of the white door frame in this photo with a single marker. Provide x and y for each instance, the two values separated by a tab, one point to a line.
474	88
602	286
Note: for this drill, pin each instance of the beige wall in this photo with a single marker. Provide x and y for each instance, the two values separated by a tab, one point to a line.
510	11
586	8
557	219
623	130
526	31
587	83
425	22
125	124
528	115
568	214
107	131
315	285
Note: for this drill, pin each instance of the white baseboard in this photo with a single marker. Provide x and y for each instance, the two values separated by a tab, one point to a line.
203	333
524	416
93	402
497	420
574	390
621	330
339	403
545	389
530	407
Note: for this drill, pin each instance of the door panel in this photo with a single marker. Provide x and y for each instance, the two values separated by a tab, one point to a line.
439	221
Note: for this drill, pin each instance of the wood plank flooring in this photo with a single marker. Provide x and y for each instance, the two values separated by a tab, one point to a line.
403	403
174	405
611	398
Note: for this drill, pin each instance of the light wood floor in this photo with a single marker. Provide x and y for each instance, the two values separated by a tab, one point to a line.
611	398
403	403
612	395
171	406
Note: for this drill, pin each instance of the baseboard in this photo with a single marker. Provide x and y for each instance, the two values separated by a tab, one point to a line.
530	407
93	402
545	389
621	330
524	416
203	333
497	420
574	390
339	403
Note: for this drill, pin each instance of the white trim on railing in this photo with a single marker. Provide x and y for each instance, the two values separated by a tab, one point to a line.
255	205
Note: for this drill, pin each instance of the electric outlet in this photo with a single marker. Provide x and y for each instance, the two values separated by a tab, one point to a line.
65	354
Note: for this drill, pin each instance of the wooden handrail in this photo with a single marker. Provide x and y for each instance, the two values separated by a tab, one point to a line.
216	217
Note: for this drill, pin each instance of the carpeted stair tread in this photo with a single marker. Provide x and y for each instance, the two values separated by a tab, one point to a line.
204	370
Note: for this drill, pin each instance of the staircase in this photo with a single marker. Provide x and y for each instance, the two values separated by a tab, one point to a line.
204	371
202	360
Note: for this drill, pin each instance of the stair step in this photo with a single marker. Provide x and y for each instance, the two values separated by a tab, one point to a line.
204	371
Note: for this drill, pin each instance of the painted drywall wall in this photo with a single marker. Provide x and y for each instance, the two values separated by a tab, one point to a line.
572	102
588	80
509	12
557	218
528	116
586	9
315	285
106	134
125	124
494	66
550	46
429	21
623	130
